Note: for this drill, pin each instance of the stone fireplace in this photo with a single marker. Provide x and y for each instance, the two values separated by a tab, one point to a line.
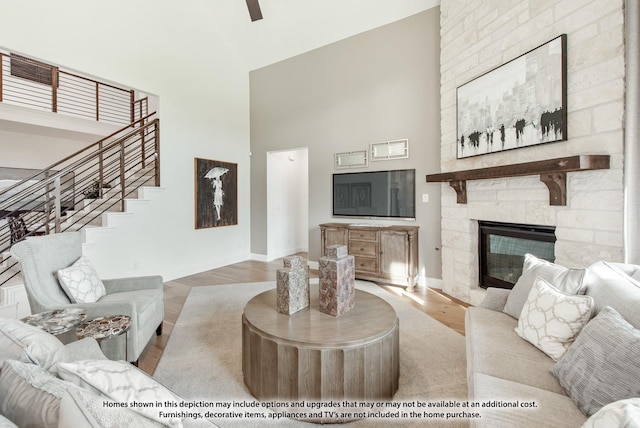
589	222
587	229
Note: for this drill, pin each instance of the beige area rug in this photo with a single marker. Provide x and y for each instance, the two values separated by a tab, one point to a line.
203	361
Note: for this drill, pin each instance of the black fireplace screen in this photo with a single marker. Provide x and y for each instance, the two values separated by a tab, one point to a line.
503	247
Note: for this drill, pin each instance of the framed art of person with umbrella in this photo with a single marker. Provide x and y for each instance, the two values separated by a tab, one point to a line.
216	193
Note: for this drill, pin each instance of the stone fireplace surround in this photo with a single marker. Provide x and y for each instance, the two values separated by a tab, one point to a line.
588	228
591	226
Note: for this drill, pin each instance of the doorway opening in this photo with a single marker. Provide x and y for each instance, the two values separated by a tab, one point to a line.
287	202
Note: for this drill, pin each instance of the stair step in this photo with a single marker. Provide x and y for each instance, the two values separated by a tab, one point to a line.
76	219
104	204
16	280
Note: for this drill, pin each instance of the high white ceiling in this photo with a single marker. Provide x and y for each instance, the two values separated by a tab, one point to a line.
291	27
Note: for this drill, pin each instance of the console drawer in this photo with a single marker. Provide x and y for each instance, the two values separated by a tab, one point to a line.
366	235
363	248
366	264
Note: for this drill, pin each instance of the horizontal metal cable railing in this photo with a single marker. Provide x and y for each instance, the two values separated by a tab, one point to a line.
37	85
75	192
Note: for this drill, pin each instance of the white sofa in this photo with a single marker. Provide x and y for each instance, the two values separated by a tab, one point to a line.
598	363
46	384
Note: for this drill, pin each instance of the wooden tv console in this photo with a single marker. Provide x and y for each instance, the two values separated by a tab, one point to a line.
382	253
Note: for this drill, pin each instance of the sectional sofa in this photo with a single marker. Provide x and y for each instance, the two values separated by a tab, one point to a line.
561	349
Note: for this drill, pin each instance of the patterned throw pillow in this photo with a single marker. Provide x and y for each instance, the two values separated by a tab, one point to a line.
121	382
603	364
551	320
84	408
80	282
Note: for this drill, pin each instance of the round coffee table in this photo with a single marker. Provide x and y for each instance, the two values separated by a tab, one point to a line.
312	356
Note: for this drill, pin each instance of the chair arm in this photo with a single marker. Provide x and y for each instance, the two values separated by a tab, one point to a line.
83	349
119	285
495	299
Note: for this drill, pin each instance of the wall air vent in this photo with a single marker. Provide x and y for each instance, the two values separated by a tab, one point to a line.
30	69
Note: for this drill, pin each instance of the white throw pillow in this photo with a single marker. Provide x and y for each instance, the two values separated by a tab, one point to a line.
29	344
621	413
121	382
84	408
551	320
564	279
80	282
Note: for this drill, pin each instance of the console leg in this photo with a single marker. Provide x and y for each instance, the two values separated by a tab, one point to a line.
159	329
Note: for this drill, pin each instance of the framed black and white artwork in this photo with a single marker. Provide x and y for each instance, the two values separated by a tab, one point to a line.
518	104
216	193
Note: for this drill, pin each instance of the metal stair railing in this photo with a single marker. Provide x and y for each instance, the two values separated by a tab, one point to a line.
74	192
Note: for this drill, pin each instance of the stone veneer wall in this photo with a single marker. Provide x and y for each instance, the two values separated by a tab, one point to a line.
477	36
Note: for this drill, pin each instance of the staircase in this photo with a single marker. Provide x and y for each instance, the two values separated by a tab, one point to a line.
87	190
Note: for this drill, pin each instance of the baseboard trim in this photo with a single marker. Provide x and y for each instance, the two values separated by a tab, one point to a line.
431	282
259	257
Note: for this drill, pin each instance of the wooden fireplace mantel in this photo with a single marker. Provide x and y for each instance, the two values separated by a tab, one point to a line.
553	173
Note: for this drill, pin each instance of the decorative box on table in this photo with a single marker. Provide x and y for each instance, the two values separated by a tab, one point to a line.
292	286
337	281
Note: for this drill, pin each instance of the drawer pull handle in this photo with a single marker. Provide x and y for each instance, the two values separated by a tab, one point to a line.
362	264
361	249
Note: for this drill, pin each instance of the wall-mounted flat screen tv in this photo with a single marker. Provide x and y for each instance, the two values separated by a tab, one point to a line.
373	194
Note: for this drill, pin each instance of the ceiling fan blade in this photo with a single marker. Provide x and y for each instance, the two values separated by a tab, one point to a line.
254	10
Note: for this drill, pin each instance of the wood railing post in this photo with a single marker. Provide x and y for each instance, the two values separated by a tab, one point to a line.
47	206
122	177
54	89
97	102
143	143
1	75
132	107
100	169
57	194
157	150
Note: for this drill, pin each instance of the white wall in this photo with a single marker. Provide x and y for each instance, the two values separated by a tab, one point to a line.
204	98
475	39
25	131
377	86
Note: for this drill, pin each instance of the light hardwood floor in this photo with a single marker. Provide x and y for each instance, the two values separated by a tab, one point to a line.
438	305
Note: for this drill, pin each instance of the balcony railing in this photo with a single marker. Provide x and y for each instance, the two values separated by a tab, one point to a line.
37	85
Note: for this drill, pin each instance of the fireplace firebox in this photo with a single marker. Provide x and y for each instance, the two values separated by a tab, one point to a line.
502	247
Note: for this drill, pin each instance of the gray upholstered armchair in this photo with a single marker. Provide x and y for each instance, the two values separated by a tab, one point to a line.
141	298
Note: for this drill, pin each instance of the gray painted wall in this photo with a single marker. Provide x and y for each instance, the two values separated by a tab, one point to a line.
377	86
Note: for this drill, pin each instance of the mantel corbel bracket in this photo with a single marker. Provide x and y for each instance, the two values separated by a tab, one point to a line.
460	186
556	182
552	172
